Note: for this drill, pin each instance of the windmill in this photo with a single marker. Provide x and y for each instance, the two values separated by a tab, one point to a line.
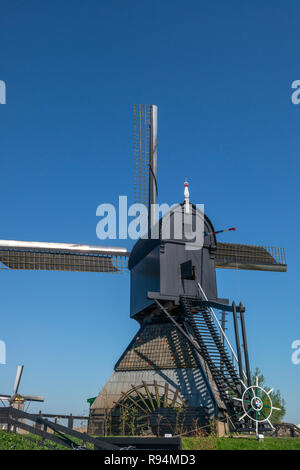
180	370
17	400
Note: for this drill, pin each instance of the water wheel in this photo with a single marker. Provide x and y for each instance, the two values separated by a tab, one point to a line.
150	409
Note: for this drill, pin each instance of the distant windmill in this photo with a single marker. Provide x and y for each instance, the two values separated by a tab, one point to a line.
16	400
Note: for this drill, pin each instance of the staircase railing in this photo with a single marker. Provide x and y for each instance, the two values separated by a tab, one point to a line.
222	332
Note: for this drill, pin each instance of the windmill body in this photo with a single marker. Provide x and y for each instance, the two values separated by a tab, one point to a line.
180	347
160	363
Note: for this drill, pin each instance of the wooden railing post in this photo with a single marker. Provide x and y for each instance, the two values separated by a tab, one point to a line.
44	436
70	421
38	425
8	420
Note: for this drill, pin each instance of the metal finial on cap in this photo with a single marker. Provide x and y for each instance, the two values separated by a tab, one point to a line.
186	196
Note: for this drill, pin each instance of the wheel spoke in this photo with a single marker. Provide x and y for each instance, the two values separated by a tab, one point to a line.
270	424
174	398
133	401
140	425
149	395
263	414
166	395
142	417
243	384
141	397
157	393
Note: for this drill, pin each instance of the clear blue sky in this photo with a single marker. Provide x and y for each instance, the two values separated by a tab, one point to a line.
221	74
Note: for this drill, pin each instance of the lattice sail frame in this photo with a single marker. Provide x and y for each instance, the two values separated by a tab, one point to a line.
105	259
142	149
250	257
61	257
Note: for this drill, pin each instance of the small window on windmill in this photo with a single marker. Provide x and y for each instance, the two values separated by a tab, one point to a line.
187	270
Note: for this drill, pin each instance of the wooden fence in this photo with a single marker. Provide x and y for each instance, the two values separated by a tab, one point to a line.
15	419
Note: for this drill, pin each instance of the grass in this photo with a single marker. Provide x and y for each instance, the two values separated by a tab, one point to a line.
10	441
241	443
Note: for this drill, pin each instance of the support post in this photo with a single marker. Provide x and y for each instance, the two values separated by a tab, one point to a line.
223	323
245	346
237	340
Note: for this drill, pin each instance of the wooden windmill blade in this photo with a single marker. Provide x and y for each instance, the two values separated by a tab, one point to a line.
5	397
61	257
250	257
33	398
18	378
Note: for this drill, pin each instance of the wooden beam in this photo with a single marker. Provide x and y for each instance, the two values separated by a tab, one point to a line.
166	395
157	394
149	395
141	397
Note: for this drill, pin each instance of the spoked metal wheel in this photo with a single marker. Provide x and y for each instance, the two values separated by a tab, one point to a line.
149	409
257	405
